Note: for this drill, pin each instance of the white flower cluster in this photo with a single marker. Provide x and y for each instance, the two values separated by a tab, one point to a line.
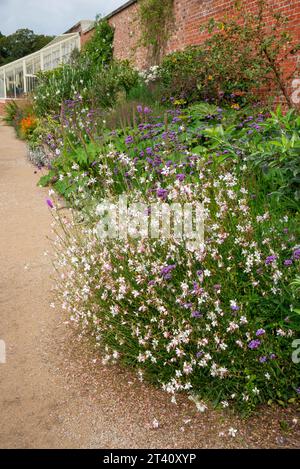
151	74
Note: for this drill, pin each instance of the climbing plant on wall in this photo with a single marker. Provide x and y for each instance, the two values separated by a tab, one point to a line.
99	49
155	18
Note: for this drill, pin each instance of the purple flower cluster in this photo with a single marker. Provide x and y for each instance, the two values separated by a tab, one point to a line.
162	194
166	272
254	344
129	140
180	177
270	259
143	110
296	254
196	314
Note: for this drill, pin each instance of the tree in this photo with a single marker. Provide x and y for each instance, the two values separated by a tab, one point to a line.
21	43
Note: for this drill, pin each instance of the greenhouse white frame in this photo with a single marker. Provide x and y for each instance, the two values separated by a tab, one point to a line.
19	77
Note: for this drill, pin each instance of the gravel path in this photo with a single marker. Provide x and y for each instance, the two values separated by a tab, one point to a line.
54	392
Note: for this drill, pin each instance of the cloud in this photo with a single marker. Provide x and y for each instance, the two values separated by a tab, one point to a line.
50	17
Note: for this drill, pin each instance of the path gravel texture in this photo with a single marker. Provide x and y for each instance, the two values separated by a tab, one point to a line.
54	390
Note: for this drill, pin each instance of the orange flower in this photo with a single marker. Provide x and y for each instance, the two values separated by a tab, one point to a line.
28	124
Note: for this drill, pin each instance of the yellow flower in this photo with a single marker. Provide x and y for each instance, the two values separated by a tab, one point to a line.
210	77
235	106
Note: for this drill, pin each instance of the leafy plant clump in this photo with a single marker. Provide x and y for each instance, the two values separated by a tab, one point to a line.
242	57
215	320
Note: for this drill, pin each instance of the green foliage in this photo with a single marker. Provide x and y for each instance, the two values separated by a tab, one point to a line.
92	75
155	19
110	81
276	150
56	86
21	43
219	322
15	113
180	73
99	49
242	56
11	112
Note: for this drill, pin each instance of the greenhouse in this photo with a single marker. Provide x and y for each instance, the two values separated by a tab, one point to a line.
19	77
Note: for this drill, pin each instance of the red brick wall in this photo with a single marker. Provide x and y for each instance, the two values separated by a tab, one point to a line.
126	40
190	15
85	37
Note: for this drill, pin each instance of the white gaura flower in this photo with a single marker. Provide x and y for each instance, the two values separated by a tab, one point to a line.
232	432
155	424
200	406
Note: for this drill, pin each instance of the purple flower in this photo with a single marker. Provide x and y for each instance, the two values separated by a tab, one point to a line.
149	151
167	271
162	193
272	356
254	344
196	314
260	332
49	203
180	177
270	259
235	307
139	109
147	110
263	359
217	287
288	262
296	254
298	390
129	140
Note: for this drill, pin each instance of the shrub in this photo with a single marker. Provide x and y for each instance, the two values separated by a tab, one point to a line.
56	86
180	73
99	49
27	126
11	112
242	57
69	80
215	320
212	321
118	77
20	115
276	149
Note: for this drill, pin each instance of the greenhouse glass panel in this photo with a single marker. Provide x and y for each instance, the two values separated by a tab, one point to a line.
19	77
29	67
10	84
37	65
31	82
19	82
2	92
48	61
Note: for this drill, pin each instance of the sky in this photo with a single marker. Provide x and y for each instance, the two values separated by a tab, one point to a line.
51	17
